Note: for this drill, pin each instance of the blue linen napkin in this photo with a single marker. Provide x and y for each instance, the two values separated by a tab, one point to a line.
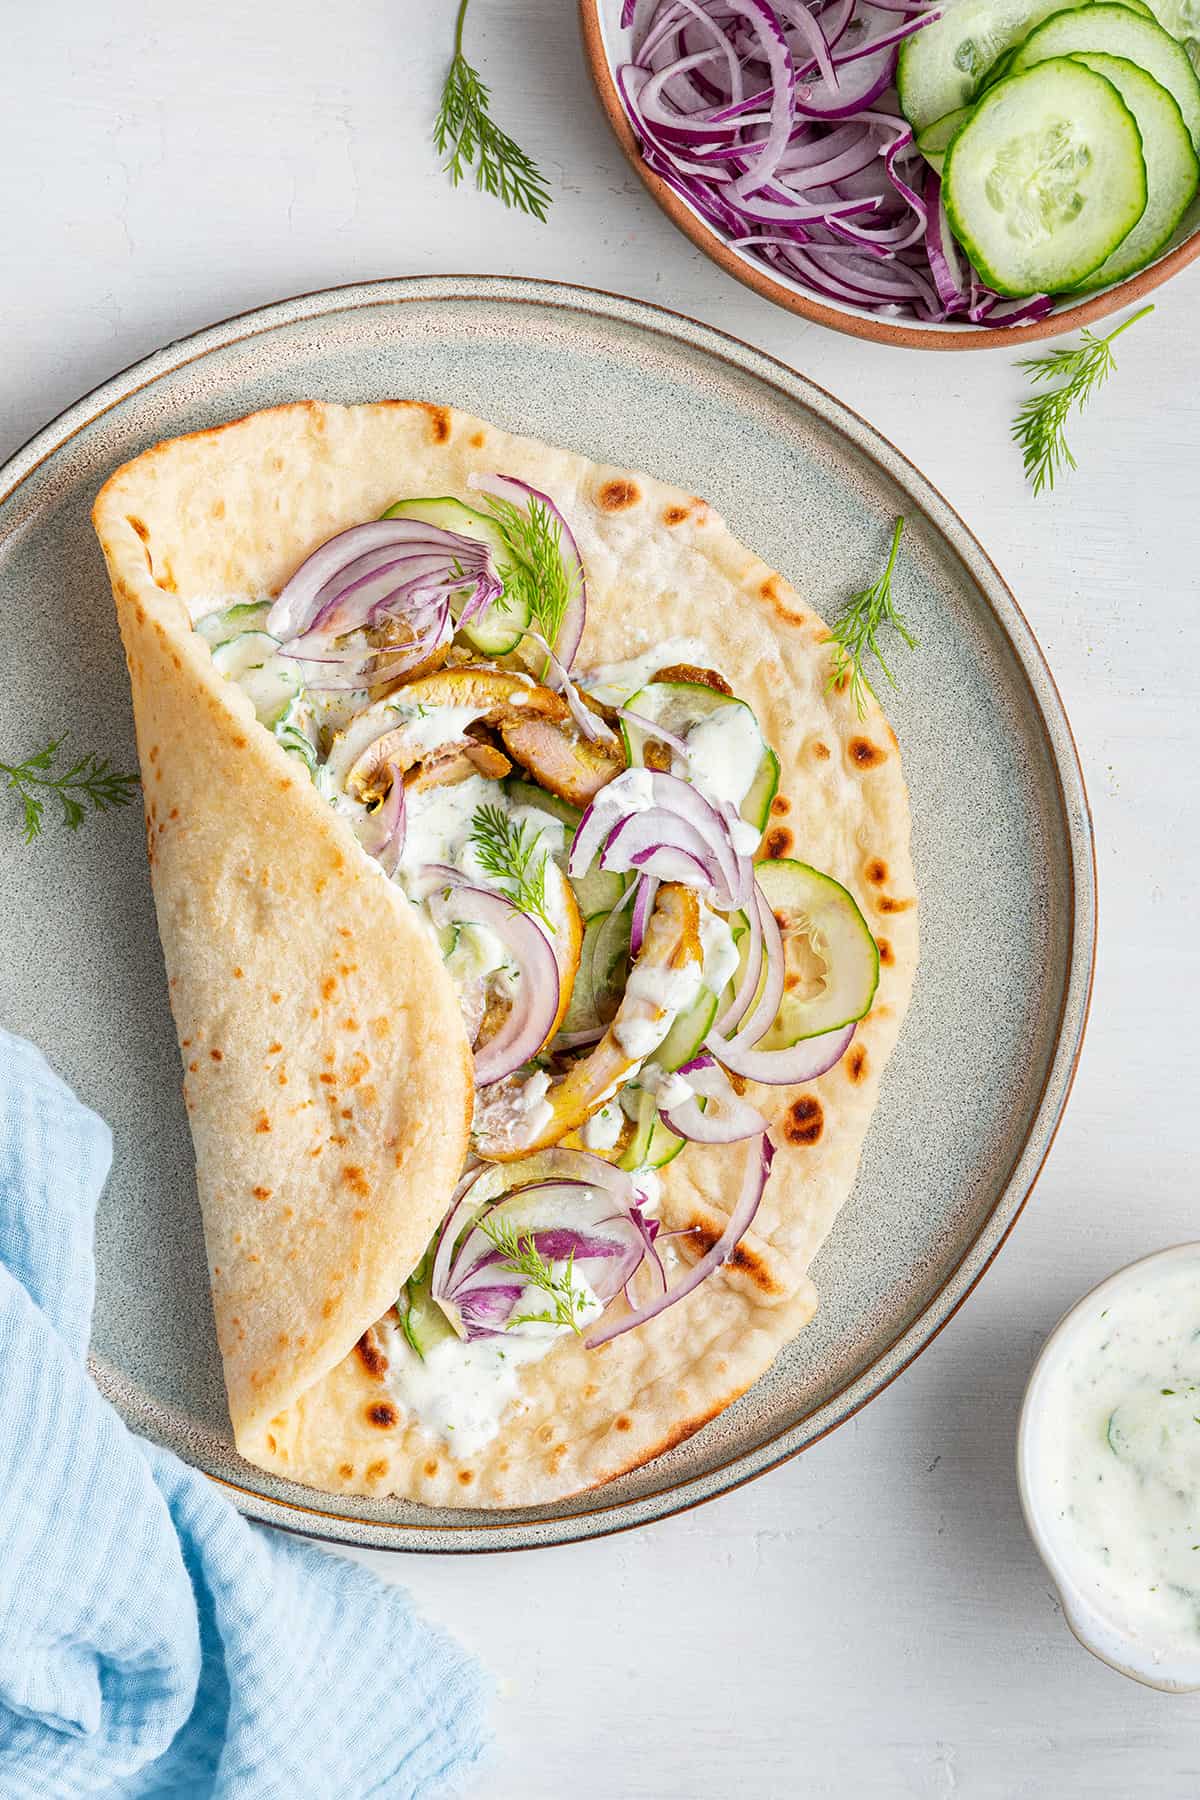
151	1641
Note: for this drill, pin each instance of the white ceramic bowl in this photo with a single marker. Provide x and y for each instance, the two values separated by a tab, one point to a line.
1099	1630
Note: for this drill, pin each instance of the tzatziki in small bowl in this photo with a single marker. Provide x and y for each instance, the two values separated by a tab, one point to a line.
1108	1466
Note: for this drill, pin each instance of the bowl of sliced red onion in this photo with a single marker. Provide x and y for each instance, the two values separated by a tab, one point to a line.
771	133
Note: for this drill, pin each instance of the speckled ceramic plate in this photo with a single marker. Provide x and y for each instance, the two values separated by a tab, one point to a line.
1003	846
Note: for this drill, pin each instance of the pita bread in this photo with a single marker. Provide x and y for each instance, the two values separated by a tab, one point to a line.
327	1072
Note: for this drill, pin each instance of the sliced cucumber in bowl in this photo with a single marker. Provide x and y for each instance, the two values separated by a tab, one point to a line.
936	139
1182	19
1116	31
1047	177
941	67
828	945
1172	168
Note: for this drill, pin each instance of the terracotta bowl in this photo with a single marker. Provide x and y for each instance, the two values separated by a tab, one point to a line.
607	45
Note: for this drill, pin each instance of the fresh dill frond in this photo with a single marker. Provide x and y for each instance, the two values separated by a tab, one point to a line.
468	137
1040	427
523	1258
87	785
856	632
538	577
509	853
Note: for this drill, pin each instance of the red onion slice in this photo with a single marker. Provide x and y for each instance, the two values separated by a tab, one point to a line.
762	1014
520	493
562	1218
782	71
747	987
382	832
783	1068
297	604
654	842
588	722
681	829
595	826
534	1008
566	1200
740	1219
949	267
725	1119
643	906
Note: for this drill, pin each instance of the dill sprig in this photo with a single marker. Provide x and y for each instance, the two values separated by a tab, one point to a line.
539	576
856	629
523	1258
1040	426
507	851
468	137
87	785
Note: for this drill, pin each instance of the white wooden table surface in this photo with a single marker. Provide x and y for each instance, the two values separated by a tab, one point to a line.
869	1621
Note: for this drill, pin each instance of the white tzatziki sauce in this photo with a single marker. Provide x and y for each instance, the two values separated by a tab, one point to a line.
667	1085
670	989
602	1130
725	751
459	1392
719	952
614	683
1115	1456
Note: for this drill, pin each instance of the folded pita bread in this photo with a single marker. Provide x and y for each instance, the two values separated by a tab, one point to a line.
327	1073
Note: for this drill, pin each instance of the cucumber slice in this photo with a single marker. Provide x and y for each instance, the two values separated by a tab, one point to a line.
679	707
936	139
1046	177
653	1144
1172	169
941	66
271	681
598	890
600	977
1003	64
610	963
581	1012
638	1148
291	728
999	69
664	1146
219	627
527	793
1115	31
824	929
244	651
687	1034
421	1318
501	628
1182	19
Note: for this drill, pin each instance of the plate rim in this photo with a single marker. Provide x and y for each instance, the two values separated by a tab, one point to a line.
796	389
